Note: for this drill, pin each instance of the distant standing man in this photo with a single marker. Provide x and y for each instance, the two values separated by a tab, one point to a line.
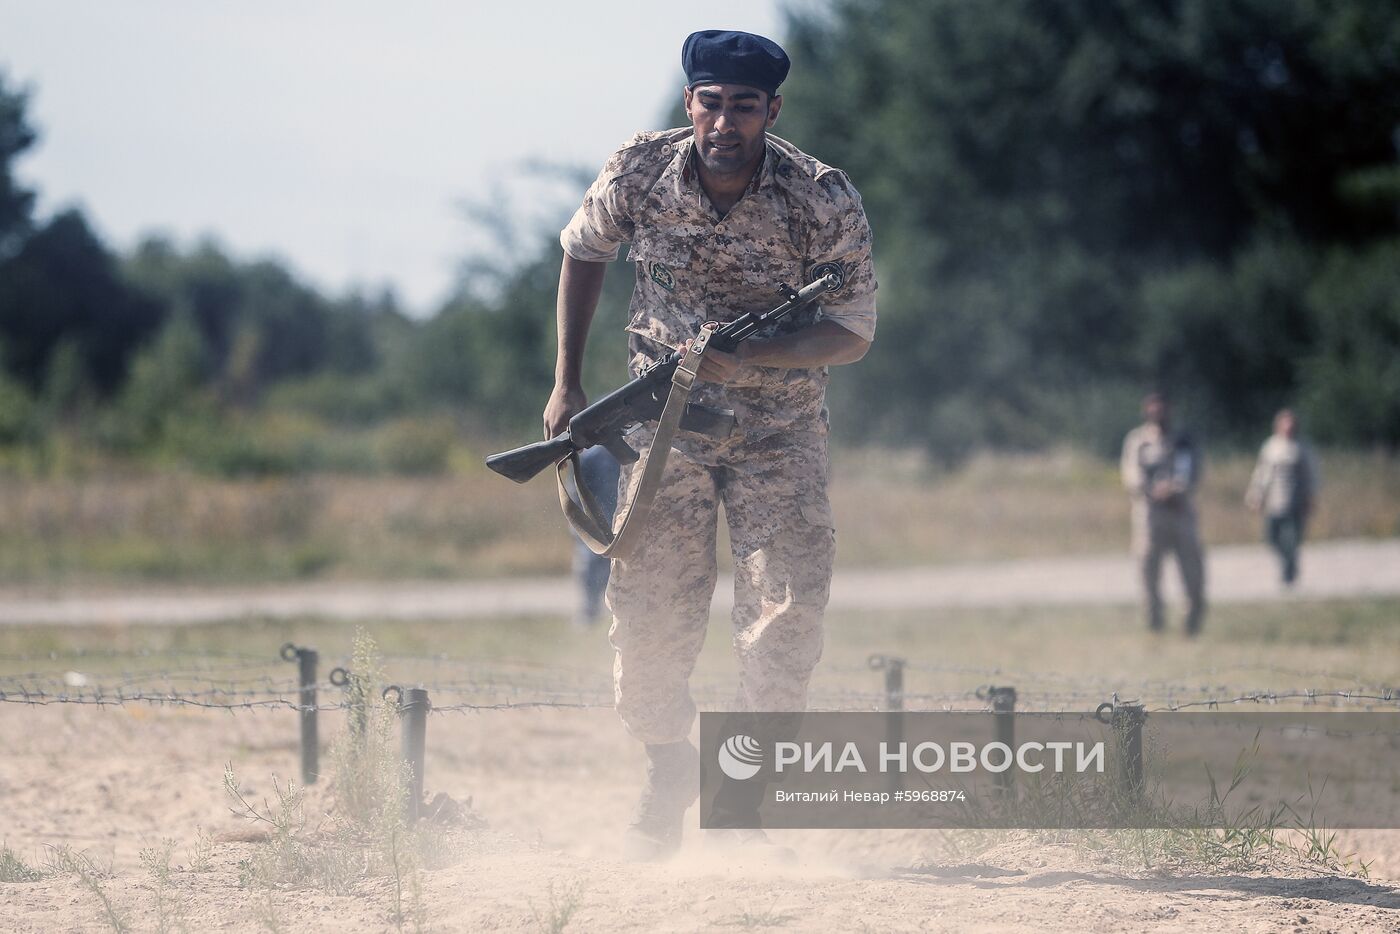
1284	487
719	214
1161	469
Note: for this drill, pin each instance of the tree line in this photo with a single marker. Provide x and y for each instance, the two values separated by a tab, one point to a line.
1076	201
1072	203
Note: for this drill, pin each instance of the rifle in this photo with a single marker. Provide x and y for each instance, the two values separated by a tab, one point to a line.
643	399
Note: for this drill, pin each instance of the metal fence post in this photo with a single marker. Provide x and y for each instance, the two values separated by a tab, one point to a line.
1003	701
306	705
415	735
894	706
894	679
1127	721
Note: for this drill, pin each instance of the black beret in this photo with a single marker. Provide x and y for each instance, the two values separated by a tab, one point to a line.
718	56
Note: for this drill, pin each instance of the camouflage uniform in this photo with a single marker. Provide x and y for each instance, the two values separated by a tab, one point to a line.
1151	455
693	266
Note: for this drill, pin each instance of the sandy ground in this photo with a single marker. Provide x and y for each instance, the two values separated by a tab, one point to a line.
1236	574
554	787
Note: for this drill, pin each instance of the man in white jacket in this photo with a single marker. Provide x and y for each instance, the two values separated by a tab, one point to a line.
1284	488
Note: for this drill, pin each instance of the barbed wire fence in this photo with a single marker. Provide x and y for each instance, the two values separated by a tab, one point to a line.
231	682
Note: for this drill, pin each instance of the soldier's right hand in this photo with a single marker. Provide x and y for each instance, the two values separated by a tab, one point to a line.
564	403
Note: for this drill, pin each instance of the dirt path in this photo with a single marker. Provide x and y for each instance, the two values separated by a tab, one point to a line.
554	788
1236	574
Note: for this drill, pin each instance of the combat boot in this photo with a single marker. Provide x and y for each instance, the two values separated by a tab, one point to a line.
673	785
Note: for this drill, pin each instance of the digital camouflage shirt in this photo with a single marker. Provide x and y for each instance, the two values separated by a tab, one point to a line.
694	266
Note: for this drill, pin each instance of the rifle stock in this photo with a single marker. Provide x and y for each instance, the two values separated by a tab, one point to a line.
523	463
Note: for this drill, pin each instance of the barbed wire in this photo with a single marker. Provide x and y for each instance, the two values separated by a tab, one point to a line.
75	678
254	661
40	699
229	680
1274	697
953	701
119	696
57	655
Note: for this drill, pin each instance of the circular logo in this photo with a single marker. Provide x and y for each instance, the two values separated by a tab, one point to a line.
740	757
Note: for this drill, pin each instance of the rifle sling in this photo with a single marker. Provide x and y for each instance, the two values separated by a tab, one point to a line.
586	517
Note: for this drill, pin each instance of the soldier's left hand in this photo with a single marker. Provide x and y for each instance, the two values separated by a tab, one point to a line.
717	366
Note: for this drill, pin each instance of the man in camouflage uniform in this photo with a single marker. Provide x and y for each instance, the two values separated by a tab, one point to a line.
1161	469
718	214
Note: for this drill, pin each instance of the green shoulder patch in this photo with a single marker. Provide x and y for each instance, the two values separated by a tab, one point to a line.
662	277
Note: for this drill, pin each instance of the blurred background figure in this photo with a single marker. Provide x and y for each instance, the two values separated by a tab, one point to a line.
599	470
1284	487
1161	469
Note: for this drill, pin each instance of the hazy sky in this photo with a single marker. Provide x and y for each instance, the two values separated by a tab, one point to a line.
340	136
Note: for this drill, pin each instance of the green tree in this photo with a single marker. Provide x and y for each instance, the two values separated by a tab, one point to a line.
166	377
1351	388
16	135
16	411
259	325
1036	173
63	288
492	351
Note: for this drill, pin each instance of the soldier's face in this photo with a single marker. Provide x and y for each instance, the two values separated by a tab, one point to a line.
729	122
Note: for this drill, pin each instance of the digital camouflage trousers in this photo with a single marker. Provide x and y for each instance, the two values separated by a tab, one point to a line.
783	543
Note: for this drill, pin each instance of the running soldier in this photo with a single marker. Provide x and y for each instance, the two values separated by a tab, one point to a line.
718	214
1161	469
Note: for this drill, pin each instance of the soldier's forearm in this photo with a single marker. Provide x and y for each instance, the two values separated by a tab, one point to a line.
580	285
825	343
